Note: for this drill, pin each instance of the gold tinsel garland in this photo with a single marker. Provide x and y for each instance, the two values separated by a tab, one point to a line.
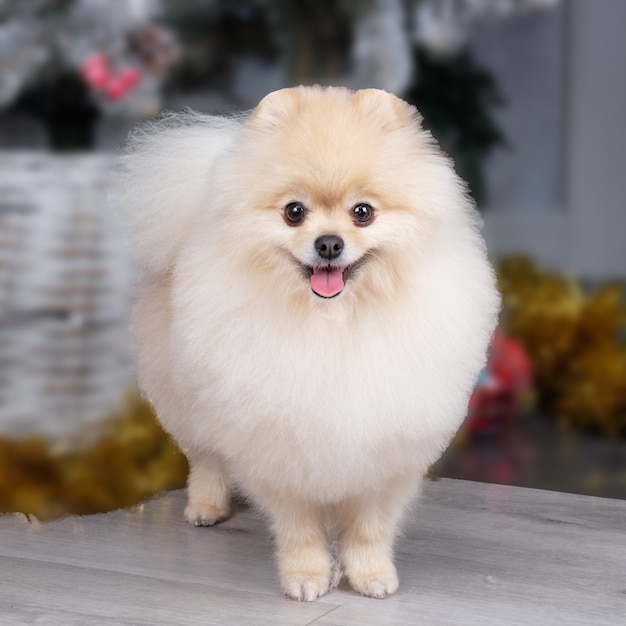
575	339
127	460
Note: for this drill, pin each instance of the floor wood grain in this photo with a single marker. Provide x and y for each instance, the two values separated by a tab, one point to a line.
471	554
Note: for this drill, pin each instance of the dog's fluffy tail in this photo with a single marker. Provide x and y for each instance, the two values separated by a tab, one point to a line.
163	181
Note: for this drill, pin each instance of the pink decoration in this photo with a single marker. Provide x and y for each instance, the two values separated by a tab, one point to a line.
96	73
130	77
115	89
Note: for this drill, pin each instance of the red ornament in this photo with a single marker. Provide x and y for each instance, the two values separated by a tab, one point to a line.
95	71
130	77
503	387
115	89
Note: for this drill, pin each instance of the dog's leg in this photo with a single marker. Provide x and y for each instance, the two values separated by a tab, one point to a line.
369	526
207	488
304	561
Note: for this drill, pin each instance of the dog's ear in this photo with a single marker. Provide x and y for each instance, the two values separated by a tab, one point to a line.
275	108
389	110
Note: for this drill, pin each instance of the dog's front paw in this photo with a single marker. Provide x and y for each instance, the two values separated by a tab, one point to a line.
307	586
375	585
205	514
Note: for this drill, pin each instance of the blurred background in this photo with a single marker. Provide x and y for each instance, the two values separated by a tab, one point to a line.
527	96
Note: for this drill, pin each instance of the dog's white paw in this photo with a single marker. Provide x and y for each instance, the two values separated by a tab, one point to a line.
204	514
378	585
305	586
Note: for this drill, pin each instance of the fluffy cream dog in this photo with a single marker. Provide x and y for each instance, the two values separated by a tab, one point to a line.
315	306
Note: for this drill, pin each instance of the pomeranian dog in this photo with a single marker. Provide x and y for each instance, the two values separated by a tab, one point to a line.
314	308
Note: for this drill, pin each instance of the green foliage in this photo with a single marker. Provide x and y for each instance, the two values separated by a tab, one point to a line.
455	96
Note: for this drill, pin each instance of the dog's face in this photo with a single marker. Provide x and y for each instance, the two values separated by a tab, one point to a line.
342	193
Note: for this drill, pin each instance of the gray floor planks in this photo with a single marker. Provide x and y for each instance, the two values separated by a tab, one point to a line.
471	553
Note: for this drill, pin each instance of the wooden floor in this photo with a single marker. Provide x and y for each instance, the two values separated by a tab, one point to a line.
471	553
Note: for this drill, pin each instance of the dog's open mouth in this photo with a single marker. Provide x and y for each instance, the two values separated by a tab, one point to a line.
327	282
330	280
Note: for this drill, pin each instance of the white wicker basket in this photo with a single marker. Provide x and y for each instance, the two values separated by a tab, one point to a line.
65	289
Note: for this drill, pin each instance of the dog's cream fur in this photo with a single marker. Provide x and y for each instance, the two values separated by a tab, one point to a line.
325	412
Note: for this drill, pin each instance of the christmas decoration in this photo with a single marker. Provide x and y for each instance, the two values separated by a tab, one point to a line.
98	76
123	461
95	71
503	390
574	338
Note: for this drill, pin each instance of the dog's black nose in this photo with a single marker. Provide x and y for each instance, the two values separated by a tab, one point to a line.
329	246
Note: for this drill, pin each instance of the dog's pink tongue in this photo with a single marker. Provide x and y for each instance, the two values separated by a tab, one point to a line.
327	283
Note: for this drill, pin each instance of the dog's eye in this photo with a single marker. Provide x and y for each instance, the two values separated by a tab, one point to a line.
294	213
362	214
